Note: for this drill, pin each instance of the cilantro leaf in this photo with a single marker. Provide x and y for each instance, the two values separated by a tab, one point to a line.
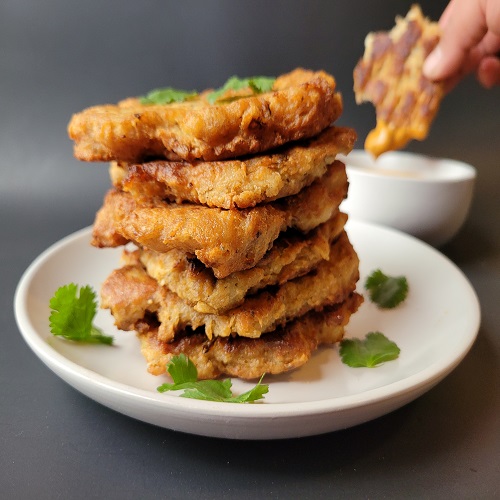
167	95
184	374
254	394
376	348
182	370
257	85
386	291
71	315
261	84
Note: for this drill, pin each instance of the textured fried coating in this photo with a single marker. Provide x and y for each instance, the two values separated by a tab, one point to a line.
300	105
236	183
292	255
390	76
285	349
331	282
224	240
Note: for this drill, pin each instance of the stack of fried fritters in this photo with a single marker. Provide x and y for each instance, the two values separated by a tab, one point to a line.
241	260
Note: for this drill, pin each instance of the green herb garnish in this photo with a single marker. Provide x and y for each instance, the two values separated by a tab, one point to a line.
386	291
71	315
256	84
261	84
167	95
376	348
185	377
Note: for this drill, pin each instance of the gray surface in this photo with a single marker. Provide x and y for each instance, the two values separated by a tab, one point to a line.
57	57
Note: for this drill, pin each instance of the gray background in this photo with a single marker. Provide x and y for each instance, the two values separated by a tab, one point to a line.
57	57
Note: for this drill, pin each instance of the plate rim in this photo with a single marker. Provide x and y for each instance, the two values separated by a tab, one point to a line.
426	377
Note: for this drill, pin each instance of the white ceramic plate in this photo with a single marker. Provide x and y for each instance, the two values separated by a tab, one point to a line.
434	328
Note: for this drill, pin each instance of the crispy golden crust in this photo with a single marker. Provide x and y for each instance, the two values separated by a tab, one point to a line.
280	351
390	76
224	240
329	283
293	255
236	183
301	104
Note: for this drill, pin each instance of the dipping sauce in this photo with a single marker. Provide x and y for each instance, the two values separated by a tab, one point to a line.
420	195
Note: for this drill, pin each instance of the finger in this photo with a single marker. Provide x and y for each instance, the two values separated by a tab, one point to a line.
445	16
465	27
488	72
492	14
489	45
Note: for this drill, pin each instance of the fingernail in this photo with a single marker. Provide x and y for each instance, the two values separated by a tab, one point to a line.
431	64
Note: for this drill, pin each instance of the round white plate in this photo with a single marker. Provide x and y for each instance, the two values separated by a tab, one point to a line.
434	329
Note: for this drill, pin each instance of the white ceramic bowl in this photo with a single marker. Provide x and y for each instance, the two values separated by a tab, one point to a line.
423	196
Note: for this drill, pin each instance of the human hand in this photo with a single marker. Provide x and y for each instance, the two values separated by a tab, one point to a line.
470	42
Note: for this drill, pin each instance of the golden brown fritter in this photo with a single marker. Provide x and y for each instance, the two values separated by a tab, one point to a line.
236	183
224	240
331	282
292	255
390	76
276	352
301	104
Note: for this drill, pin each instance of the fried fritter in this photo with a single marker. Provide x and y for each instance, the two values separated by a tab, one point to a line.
224	240
301	104
276	352
292	255
390	76
236	183
329	283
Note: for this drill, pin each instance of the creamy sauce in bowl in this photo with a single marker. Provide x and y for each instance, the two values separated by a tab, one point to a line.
391	172
408	166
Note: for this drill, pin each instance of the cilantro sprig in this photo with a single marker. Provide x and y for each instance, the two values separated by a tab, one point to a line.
185	376
369	352
167	95
386	291
72	315
256	84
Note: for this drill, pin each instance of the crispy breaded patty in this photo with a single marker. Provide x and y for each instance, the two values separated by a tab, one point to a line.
329	283
236	183
276	352
390	76
224	240
301	104
292	255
